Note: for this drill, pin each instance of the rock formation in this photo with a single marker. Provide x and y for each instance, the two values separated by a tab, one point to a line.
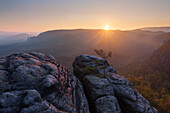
108	92
159	62
37	83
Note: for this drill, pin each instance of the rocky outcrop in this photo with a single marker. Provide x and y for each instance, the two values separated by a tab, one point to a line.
106	91
37	83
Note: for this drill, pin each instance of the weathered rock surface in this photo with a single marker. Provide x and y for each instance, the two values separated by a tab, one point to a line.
36	83
106	91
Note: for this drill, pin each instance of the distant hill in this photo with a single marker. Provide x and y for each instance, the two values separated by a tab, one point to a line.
65	45
3	33
8	39
164	29
157	62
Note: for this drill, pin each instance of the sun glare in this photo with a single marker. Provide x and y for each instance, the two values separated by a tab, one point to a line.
106	28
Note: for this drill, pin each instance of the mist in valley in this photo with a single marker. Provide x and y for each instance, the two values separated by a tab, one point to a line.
127	46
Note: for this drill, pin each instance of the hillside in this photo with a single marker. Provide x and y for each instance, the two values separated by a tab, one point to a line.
127	46
163	37
153	75
160	60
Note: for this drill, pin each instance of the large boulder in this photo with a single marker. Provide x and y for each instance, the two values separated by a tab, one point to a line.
106	91
37	83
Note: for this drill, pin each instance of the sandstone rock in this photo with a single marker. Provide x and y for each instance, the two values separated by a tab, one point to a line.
83	61
107	104
37	83
96	87
130	100
124	98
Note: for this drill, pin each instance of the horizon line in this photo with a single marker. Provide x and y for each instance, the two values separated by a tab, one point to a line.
84	29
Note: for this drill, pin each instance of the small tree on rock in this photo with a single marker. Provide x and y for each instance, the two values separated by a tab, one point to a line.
103	55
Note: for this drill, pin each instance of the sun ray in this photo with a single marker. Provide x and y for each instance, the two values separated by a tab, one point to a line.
94	37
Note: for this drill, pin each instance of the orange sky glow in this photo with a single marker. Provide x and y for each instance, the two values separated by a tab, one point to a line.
43	15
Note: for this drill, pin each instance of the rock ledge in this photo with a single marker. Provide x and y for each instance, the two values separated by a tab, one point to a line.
106	91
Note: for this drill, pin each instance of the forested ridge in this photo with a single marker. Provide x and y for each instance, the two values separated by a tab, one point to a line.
152	76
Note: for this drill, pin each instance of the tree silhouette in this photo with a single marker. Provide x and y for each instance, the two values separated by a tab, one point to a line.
103	54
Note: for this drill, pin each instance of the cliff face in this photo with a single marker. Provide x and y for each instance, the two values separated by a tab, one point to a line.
37	83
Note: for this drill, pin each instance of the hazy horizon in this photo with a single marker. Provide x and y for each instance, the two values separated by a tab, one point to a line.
42	15
28	32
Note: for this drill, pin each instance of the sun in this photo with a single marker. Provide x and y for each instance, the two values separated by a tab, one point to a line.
106	28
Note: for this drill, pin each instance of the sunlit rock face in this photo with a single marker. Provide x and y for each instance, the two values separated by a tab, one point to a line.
106	91
37	83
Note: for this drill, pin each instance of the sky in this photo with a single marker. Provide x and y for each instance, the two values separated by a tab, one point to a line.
43	15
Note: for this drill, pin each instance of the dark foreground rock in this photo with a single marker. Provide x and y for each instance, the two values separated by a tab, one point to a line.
36	83
106	91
